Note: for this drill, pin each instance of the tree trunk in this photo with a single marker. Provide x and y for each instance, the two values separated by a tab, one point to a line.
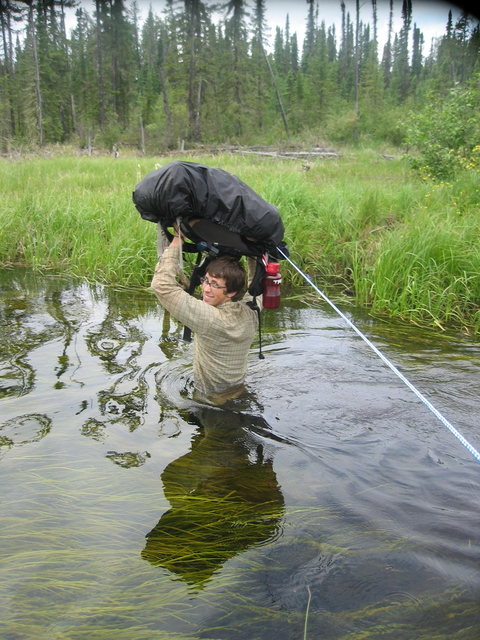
357	53
101	88
387	58
38	92
166	104
197	132
114	17
142	133
191	73
279	99
74	117
8	57
69	65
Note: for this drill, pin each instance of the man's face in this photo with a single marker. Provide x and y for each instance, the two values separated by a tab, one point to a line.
214	291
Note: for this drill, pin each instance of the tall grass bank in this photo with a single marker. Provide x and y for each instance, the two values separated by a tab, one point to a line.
364	227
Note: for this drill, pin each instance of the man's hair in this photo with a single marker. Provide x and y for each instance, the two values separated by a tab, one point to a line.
232	271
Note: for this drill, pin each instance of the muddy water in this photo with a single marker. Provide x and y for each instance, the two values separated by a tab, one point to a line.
328	502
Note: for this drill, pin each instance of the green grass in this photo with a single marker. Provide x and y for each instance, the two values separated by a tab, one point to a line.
406	248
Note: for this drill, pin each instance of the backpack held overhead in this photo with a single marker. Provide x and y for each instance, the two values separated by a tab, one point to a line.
217	213
215	207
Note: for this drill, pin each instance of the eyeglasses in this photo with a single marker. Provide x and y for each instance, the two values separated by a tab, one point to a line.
209	283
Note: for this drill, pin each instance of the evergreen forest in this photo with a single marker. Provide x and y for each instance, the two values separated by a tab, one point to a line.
198	73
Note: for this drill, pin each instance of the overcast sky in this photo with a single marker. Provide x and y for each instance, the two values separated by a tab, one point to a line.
430	16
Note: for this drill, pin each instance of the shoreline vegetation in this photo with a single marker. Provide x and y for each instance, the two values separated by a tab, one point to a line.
367	229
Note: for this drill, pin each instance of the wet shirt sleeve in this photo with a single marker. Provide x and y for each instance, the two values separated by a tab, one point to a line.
190	311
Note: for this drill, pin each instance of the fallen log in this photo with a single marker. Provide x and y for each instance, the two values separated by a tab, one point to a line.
289	155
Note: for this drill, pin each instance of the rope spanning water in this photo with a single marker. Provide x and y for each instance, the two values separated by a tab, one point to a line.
428	404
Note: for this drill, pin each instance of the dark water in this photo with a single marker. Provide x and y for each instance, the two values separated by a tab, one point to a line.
329	502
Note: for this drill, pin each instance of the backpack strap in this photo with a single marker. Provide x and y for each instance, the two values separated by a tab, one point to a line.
187	247
197	273
255	288
254	306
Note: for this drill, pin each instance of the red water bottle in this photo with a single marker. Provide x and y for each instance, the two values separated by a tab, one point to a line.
271	286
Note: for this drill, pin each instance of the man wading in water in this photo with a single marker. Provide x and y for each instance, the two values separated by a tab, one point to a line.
224	326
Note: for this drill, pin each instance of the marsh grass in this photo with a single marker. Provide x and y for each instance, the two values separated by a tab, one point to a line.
404	247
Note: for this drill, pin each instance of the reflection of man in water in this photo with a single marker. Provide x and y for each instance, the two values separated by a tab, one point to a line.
224	498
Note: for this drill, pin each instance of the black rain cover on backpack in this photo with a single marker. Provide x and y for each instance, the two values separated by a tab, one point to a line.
190	191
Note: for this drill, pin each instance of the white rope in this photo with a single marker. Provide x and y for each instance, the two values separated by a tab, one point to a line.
419	395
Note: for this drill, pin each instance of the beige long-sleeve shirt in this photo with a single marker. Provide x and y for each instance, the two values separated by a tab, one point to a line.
223	334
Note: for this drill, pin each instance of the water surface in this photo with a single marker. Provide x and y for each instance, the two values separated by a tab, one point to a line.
328	502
